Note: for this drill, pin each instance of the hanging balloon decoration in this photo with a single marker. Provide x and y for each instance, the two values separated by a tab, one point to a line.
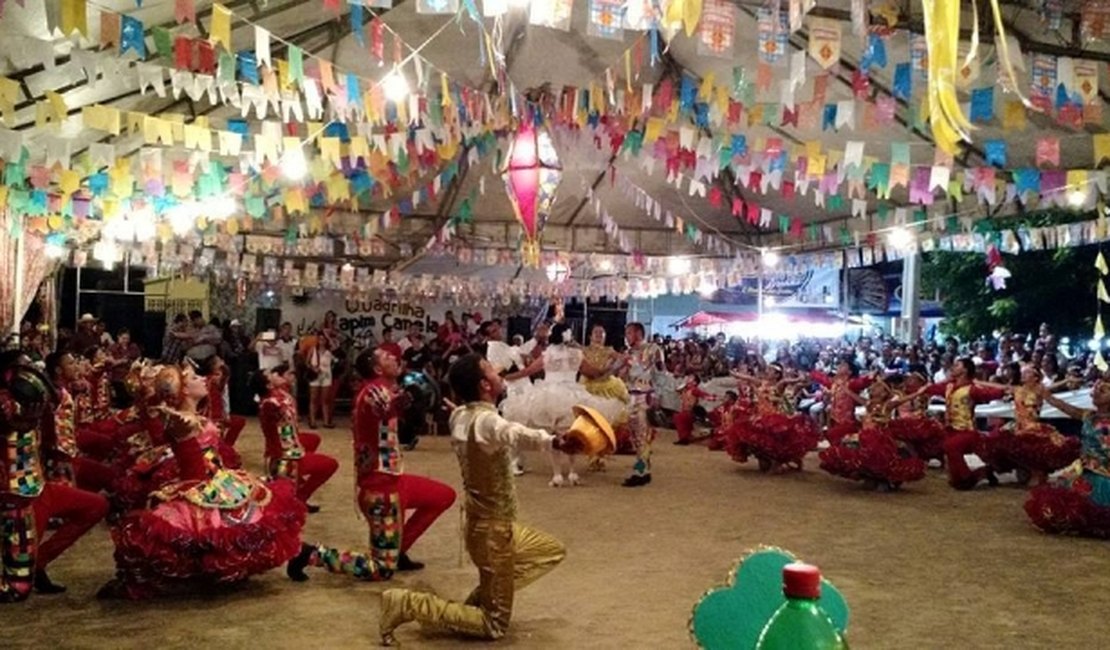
532	172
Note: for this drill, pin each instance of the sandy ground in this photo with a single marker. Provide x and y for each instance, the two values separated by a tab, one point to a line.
925	568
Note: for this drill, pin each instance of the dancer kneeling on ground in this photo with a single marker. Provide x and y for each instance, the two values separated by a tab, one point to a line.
212	525
873	455
1078	502
776	436
1026	444
509	556
383	490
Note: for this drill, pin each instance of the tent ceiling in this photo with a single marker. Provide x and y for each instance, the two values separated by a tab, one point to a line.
540	56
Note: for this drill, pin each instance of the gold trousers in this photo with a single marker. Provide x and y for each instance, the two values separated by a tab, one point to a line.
509	557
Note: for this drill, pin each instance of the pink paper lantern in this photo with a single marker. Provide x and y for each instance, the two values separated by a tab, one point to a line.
532	173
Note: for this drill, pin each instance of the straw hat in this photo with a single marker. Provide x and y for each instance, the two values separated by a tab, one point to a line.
593	430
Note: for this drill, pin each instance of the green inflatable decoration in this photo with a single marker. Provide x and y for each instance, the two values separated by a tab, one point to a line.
731	617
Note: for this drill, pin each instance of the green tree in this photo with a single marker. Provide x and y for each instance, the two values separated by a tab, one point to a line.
1054	286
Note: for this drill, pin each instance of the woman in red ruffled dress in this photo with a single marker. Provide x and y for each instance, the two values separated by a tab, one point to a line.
840	395
777	440
1078	501
913	426
1026	444
213	525
873	455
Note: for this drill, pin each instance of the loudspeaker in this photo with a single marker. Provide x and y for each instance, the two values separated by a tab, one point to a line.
267	319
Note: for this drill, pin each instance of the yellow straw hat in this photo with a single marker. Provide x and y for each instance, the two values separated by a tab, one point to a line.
593	430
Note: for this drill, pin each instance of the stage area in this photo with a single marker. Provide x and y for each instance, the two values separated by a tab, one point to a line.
926	568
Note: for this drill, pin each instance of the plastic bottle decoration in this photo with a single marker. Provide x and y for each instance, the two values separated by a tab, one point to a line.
733	617
532	173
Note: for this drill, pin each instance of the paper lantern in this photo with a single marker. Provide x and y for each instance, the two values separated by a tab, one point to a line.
532	173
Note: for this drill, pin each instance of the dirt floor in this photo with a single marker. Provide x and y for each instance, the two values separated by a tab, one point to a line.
928	567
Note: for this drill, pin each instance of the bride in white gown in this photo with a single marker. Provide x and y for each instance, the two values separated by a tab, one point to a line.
548	403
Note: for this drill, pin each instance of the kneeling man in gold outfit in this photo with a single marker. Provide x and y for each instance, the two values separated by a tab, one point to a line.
509	556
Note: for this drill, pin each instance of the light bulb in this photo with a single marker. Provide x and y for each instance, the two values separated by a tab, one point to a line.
1077	198
55	251
678	265
770	259
396	87
294	167
182	219
605	265
220	208
900	238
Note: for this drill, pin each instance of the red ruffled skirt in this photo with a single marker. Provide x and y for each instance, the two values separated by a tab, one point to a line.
874	456
179	540
772	439
1063	510
139	474
834	433
925	436
1037	451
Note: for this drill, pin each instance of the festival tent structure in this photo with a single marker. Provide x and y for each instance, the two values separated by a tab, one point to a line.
352	146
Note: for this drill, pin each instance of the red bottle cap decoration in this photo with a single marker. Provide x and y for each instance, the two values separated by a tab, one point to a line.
801	581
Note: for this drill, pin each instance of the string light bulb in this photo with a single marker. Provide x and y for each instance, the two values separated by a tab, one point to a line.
900	238
770	258
293	164
395	86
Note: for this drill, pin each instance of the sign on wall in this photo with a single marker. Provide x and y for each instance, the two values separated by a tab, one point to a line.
810	288
358	318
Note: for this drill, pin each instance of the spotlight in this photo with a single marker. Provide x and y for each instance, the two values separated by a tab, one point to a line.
396	87
678	265
770	258
900	238
293	164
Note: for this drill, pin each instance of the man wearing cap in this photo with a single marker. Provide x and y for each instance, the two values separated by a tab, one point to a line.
509	555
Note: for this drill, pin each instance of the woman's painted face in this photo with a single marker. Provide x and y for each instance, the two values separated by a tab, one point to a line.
1029	375
1100	394
195	386
597	336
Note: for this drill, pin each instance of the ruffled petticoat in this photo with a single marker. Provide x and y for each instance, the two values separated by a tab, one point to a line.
774	439
1072	506
220	530
549	406
924	435
873	455
1043	450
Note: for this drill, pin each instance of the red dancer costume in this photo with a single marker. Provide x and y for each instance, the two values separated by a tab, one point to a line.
24	394
214	524
384	491
77	510
230	425
287	454
840	396
1078	502
913	426
873	455
1033	448
690	395
722	418
777	440
961	394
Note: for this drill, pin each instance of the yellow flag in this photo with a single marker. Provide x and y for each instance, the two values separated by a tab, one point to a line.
1102	295
220	29
1100	331
1101	142
1100	264
74	17
1100	363
1013	116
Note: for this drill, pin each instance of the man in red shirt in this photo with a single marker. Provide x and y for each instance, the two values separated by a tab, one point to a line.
389	345
384	491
